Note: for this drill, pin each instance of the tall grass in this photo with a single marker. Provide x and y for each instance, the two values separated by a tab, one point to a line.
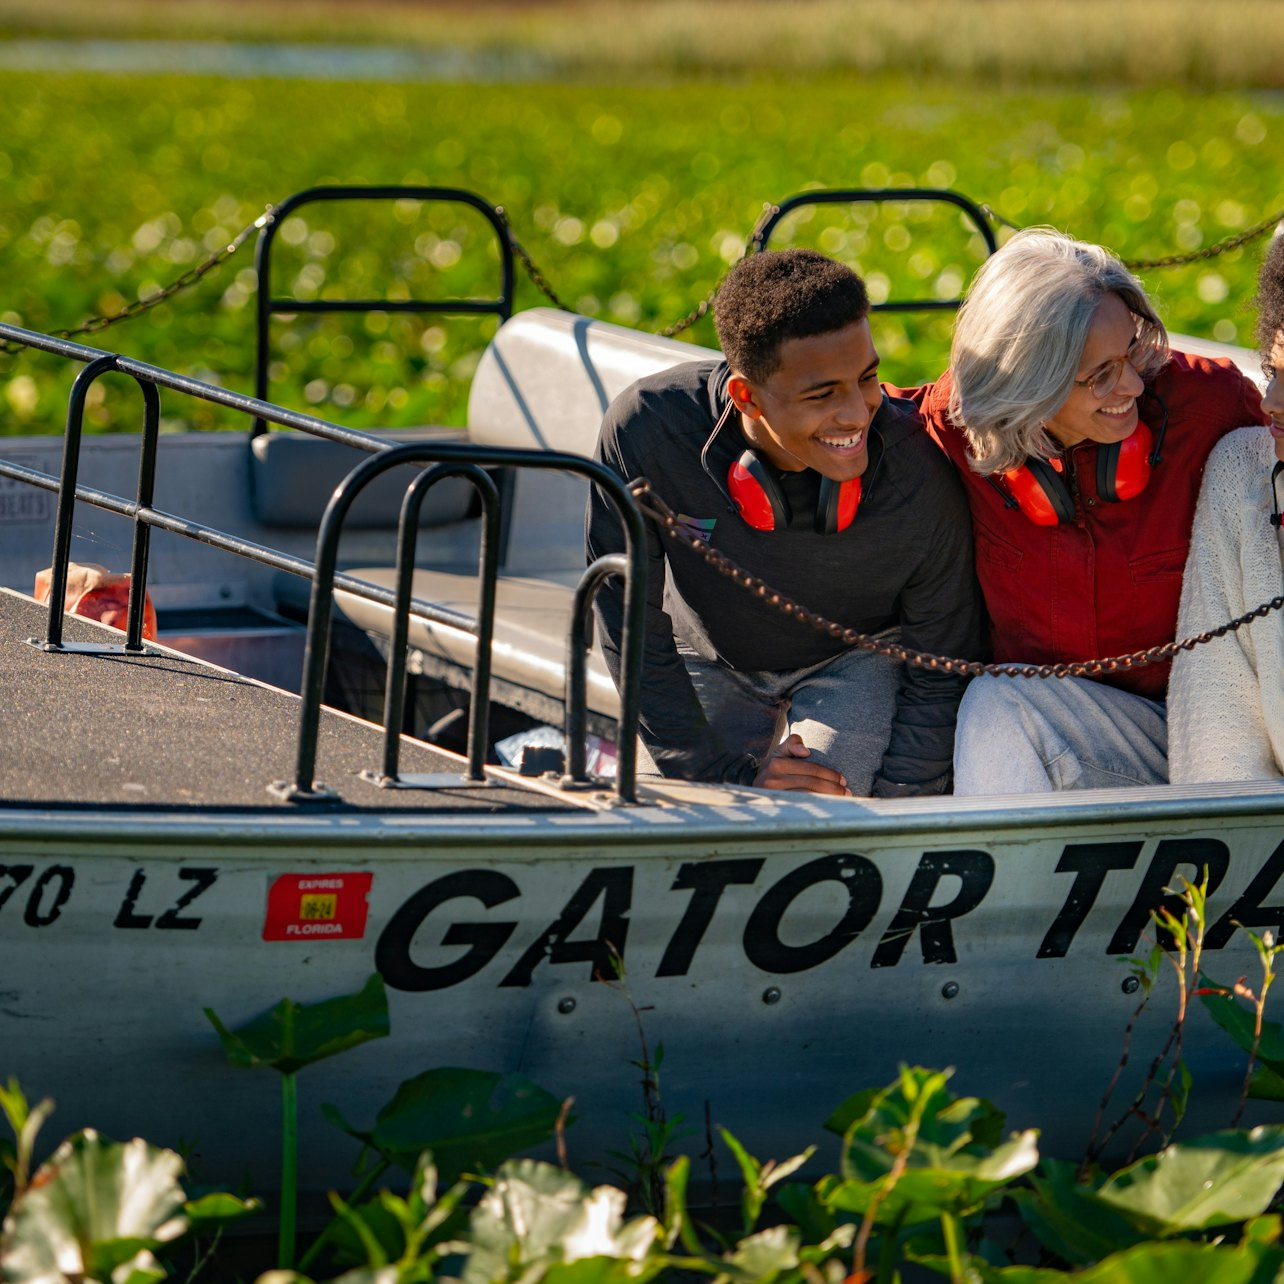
1195	43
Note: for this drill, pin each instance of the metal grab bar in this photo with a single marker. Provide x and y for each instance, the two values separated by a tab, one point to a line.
877	195
322	571
488	573
305	787
266	305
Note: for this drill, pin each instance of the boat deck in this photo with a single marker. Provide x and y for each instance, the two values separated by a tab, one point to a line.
166	731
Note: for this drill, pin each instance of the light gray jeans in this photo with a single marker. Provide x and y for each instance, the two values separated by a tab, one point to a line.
1037	735
842	708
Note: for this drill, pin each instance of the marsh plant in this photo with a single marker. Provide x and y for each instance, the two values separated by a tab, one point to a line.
920	1173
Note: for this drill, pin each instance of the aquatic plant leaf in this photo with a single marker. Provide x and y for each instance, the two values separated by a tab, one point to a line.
1239	1021
1266	1084
765	1254
1215	1180
807	1211
471	1120
1068	1220
933	1182
219	1208
537	1215
383	1229
918	1105
854	1108
95	1208
292	1035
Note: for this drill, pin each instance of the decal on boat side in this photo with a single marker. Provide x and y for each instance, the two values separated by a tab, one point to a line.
600	906
311	907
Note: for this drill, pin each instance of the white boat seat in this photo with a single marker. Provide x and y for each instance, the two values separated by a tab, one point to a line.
543	383
528	654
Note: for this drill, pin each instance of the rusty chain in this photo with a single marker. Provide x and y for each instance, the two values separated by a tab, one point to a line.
541	282
654	507
190	277
1174	260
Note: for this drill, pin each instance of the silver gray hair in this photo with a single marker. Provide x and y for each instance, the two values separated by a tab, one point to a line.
1019	339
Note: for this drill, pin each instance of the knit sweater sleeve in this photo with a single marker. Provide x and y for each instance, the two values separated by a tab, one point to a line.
1216	726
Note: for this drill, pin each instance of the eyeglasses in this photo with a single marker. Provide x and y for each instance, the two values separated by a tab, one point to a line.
1105	379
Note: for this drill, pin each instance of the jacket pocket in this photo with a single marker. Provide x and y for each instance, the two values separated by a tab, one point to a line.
994	551
1166	565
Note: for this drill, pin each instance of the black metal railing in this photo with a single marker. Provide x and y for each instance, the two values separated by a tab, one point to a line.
450	458
776	214
267	304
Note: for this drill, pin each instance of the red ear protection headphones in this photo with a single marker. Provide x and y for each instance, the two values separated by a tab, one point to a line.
1039	489
756	496
761	502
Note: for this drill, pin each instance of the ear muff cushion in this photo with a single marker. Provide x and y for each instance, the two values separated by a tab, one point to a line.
836	506
756	494
1041	493
1123	467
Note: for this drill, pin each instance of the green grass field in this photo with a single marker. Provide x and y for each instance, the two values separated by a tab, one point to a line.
633	196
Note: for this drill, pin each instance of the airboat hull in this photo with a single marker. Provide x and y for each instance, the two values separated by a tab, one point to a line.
784	953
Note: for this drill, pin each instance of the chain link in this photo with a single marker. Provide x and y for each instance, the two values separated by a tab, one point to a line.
190	277
541	283
1273	221
532	270
703	308
654	507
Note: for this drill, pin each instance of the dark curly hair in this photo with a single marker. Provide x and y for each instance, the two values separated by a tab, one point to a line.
1270	296
769	298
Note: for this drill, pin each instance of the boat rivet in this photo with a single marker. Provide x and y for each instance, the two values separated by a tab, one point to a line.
566	1006
1130	985
949	989
771	995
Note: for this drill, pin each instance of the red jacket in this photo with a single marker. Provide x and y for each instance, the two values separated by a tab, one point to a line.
1109	582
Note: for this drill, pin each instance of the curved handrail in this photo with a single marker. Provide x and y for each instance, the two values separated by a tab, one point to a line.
266	305
876	195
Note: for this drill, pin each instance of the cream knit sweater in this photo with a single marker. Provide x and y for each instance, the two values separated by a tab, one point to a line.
1226	698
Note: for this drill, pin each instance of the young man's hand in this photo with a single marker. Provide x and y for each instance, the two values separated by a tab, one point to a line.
788	768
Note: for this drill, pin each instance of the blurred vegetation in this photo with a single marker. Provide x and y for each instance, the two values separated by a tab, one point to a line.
1195	43
633	197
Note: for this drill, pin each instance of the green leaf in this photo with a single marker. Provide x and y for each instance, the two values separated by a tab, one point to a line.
217	1209
96	1207
471	1120
1069	1220
1239	1022
1266	1084
292	1035
1216	1180
1188	1263
764	1255
537	1215
807	1211
922	1193
855	1107
1180	1095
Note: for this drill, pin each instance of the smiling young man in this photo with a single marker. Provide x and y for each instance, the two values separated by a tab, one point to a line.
790	459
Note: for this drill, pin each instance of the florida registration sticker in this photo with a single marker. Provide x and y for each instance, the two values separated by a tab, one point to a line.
310	907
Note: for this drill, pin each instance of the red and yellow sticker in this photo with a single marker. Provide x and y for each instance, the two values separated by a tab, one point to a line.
317	907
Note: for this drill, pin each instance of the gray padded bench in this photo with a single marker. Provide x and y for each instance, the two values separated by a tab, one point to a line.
543	383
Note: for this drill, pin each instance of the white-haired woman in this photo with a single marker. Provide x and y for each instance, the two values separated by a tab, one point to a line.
1226	699
1081	439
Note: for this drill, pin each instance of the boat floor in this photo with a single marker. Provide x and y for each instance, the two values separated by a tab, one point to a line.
162	730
